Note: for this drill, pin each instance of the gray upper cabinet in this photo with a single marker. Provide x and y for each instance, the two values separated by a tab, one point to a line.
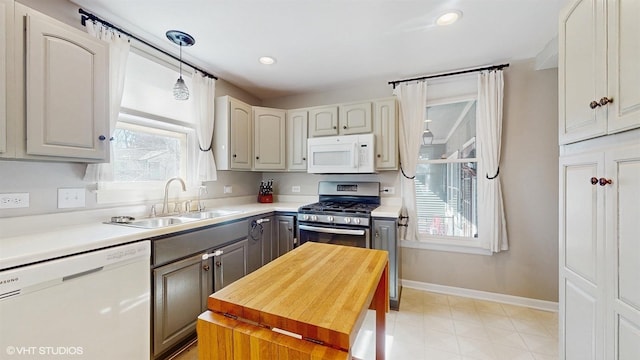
269	138
342	119
232	136
385	128
6	68
355	118
323	121
59	98
297	125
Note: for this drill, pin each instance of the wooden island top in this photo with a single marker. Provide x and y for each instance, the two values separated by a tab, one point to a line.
319	291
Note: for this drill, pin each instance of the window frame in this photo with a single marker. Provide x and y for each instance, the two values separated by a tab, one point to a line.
452	243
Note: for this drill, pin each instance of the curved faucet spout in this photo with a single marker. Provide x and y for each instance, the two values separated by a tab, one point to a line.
165	203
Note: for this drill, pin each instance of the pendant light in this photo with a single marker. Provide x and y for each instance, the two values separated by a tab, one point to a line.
427	135
180	89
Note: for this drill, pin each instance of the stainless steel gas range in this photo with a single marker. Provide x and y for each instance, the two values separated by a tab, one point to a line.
342	215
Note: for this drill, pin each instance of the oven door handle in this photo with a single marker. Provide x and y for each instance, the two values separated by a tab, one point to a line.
331	230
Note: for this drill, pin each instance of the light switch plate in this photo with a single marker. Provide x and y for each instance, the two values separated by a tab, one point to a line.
295	189
71	198
228	189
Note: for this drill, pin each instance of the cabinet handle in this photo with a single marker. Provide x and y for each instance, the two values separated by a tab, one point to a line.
594	104
377	234
102	138
215	253
605	100
206	268
605	182
594	181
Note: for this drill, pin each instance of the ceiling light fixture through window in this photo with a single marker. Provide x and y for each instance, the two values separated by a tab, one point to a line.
449	17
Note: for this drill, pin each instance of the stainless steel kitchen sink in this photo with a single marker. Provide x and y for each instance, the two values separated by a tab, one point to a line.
209	214
164	221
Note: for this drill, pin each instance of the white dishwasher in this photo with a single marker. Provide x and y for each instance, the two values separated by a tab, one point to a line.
93	305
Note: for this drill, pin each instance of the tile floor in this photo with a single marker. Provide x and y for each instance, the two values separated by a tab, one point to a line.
431	326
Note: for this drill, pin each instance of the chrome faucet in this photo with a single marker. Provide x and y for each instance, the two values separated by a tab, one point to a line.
165	203
201	191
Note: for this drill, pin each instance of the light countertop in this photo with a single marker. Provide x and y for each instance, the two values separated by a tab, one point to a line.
29	239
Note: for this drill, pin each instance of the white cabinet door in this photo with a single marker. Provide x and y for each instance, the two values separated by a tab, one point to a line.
581	258
241	145
297	140
323	121
6	71
269	138
67	91
355	118
623	252
385	127
624	65
582	71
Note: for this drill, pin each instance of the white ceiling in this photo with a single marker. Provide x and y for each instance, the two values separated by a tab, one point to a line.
324	44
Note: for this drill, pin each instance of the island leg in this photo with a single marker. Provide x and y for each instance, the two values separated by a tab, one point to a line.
381	302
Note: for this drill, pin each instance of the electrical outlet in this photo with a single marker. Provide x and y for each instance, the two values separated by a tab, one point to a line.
227	189
15	200
71	198
389	190
295	189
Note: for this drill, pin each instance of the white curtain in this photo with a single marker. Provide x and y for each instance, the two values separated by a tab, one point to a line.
489	132
204	92
413	103
118	54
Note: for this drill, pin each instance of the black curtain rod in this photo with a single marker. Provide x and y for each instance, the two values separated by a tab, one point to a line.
493	67
89	16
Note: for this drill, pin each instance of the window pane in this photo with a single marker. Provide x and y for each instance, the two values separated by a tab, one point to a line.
446	199
448	130
147	154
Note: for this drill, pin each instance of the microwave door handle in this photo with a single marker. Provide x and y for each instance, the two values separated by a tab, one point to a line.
355	155
331	230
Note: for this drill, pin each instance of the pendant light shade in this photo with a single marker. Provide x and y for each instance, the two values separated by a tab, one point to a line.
180	89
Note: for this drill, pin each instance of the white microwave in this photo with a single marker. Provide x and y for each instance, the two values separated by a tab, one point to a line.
348	154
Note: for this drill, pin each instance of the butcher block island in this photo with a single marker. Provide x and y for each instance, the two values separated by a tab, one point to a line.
317	294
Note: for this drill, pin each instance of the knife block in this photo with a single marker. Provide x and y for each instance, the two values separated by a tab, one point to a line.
266	198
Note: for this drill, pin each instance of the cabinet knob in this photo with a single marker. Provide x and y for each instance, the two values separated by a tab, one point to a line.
379	155
304	159
594	104
594	181
257	157
605	100
102	138
345	127
335	127
234	155
605	182
218	263
206	267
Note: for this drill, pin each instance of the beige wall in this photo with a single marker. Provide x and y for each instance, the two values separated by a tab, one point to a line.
529	174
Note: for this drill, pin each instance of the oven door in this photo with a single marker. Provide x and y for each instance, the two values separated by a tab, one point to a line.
338	235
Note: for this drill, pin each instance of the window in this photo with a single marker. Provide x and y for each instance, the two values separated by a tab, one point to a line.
446	175
154	138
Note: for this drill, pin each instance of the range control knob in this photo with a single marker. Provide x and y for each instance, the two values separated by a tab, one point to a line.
356	221
330	218
314	218
305	217
347	220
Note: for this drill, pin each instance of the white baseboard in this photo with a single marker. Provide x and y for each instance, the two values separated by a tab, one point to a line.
482	295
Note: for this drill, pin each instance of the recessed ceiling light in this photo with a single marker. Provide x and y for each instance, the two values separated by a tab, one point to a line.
267	60
449	17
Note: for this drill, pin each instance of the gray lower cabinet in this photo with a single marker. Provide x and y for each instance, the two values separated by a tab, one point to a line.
231	265
284	236
260	245
385	237
180	295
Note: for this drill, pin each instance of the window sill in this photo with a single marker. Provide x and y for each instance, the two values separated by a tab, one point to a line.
436	246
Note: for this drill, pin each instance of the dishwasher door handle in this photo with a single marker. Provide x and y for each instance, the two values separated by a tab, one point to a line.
82	273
